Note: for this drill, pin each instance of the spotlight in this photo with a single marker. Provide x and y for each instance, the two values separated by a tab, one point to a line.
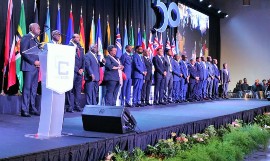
246	2
201	0
219	11
209	6
227	16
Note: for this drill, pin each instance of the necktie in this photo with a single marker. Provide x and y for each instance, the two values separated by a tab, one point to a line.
78	52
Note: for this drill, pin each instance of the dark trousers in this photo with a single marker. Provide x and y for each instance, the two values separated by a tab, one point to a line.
204	89
225	89
73	96
193	90
168	86
210	87
183	89
200	89
176	91
215	88
91	92
159	90
29	92
112	88
146	91
137	90
126	91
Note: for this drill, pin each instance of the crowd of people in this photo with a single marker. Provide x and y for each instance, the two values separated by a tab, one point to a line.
175	78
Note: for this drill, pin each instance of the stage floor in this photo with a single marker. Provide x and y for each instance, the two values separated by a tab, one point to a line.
13	128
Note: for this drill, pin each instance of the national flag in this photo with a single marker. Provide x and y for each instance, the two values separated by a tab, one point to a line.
177	42
47	26
150	45
139	37
70	30
173	46
131	36
125	38
155	44
161	41
92	36
99	39
36	20
81	31
118	42
58	22
21	30
168	43
107	38
144	39
9	54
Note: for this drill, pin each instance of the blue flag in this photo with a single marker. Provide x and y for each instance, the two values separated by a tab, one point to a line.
125	39
139	39
118	42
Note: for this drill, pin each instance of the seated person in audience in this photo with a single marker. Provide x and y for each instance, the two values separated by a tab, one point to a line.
238	89
244	86
256	87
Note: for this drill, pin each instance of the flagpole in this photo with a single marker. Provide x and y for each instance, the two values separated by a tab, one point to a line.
3	79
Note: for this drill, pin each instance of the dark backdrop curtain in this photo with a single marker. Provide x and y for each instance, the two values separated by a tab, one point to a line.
137	11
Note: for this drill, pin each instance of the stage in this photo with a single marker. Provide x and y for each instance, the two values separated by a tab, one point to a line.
154	123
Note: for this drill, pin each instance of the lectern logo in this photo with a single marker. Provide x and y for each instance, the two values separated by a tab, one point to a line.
164	16
101	111
63	68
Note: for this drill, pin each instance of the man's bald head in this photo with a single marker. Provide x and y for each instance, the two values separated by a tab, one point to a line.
34	28
76	38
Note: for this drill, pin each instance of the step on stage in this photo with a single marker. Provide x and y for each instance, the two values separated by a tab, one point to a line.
154	123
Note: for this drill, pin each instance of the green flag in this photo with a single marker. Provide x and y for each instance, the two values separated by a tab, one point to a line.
131	36
21	30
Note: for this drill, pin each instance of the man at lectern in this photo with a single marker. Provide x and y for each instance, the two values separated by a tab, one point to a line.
30	67
73	96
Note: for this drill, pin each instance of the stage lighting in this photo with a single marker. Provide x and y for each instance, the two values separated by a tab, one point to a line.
227	15
246	2
209	6
219	11
201	0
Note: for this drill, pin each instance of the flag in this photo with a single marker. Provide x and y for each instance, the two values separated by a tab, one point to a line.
107	38
150	45
144	40
47	26
99	39
9	54
125	38
173	46
160	41
81	32
168	43
70	30
131	36
21	30
139	37
118	42
177	42
36	20
58	22
155	44
92	36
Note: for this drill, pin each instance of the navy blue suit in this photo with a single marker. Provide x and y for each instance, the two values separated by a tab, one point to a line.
216	81
74	95
147	80
205	76
169	78
225	79
193	83
160	68
126	61
138	76
184	81
211	73
30	74
92	65
177	71
201	75
111	76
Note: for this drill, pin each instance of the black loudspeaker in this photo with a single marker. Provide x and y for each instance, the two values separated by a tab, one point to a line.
111	119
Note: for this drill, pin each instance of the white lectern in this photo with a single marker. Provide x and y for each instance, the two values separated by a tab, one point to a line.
57	73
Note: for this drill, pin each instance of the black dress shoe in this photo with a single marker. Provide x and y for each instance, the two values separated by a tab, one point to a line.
70	111
170	101
25	114
78	109
35	113
128	105
163	103
148	104
137	105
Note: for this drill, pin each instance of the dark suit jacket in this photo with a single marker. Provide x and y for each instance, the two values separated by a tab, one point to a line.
193	73
200	70
79	61
148	65
111	74
126	61
184	69
176	70
160	67
138	66
92	65
216	71
225	78
28	60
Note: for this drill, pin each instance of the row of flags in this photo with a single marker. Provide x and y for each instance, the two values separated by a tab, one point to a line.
12	57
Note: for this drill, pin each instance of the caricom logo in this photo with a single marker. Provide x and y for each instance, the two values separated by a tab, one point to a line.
164	15
63	69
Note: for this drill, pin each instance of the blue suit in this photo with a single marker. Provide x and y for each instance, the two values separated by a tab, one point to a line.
112	79
126	61
177	71
30	74
147	81
205	76
92	65
201	72
211	74
138	77
193	83
73	96
169	78
160	68
225	79
184	81
216	81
